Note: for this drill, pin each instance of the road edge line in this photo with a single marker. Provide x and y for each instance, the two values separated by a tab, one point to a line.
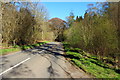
14	66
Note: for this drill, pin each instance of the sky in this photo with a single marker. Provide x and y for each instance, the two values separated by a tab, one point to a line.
62	9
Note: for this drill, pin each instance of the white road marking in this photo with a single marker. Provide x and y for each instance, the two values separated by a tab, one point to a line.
17	64
14	66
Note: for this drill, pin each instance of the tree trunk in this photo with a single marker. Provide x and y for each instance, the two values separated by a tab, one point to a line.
14	43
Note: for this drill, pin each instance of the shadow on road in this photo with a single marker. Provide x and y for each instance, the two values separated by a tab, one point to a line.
53	49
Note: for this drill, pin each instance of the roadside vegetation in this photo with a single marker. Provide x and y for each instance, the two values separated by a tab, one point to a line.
92	42
24	47
6	51
98	33
19	48
91	63
24	24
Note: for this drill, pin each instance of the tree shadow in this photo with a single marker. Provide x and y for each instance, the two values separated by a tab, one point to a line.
53	49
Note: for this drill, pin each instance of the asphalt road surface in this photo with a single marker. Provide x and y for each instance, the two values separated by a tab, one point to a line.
46	61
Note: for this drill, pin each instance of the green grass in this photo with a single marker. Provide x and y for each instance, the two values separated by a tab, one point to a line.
90	63
77	55
24	47
5	51
95	70
46	41
18	48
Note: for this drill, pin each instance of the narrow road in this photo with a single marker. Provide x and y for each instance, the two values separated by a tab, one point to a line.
46	61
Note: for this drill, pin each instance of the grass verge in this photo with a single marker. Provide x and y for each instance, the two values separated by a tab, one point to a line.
24	47
6	51
90	63
18	48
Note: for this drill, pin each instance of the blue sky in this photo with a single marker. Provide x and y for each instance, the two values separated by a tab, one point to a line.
63	9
